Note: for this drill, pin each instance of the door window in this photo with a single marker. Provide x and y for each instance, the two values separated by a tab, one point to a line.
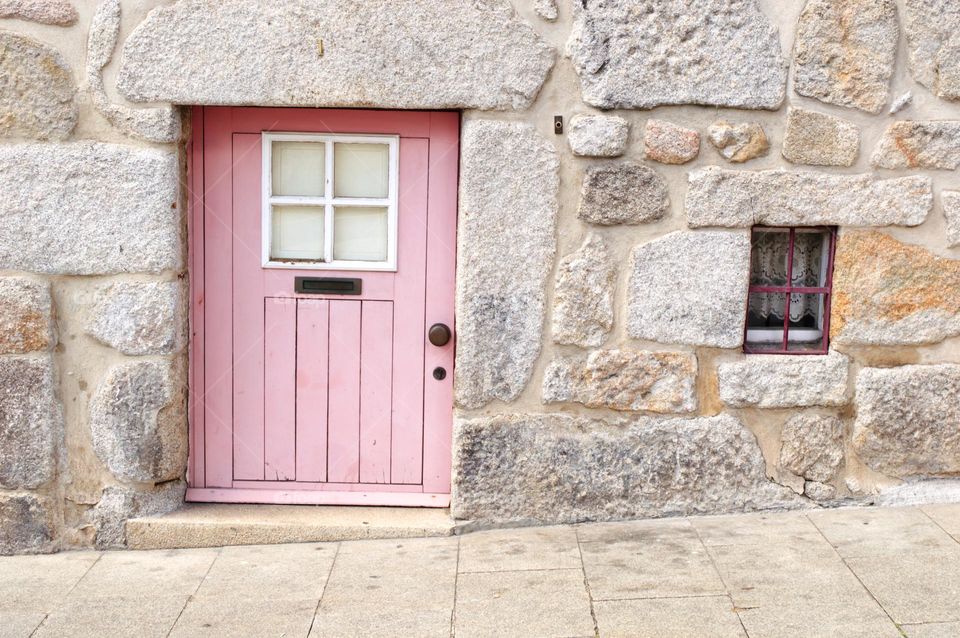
329	201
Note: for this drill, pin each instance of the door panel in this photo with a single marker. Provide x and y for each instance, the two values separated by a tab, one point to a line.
248	315
376	390
324	390
279	390
343	456
313	338
214	305
409	345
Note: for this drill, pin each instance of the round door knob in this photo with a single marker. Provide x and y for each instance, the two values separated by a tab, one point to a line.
439	334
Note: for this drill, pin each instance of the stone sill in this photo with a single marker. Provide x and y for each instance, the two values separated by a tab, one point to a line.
217	525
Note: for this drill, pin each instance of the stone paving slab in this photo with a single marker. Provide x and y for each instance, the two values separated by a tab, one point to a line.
946	516
850	572
245	616
881	531
296	572
819	619
518	549
647	559
649	565
534	603
669	618
915	587
933	630
141	616
778	529
39	583
142	575
19	623
390	588
755	575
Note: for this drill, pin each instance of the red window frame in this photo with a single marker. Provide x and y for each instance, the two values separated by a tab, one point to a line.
789	289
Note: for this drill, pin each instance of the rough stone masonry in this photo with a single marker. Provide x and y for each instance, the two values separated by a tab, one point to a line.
602	275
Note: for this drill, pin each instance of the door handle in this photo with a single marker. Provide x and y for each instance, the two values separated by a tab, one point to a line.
439	334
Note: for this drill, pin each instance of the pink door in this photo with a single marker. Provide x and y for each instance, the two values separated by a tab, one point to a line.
323	283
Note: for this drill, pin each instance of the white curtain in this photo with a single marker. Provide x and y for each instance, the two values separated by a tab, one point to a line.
769	268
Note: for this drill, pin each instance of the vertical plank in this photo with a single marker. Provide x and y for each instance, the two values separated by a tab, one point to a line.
313	333
248	308
195	242
343	452
440	287
409	327
376	390
217	301
279	392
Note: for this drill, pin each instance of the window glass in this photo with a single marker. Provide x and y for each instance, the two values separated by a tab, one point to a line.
809	258
361	170
299	169
806	322
765	312
297	233
360	234
768	260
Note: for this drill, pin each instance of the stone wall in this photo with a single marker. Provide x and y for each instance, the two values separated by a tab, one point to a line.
681	135
586	389
93	313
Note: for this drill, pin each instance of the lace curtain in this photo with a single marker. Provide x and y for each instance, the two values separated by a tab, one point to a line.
769	268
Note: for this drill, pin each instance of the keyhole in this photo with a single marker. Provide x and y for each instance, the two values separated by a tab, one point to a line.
439	374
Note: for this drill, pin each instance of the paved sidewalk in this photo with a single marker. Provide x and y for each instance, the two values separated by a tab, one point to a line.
854	572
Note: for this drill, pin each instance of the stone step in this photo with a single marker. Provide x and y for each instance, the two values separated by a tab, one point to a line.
216	525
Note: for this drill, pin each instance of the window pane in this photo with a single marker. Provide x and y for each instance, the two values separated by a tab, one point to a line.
810	257
768	258
360	234
297	233
765	317
299	168
361	170
765	321
806	323
806	314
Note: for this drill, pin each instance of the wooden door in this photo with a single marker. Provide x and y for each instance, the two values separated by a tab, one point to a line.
322	252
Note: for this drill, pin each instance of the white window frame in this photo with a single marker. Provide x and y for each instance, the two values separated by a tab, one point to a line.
328	201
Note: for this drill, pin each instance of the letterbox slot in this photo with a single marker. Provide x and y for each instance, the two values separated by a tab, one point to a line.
328	286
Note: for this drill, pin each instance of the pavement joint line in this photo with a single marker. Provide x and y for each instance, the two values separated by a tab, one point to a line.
196	589
723	581
855	575
40	624
85	574
937	523
76	584
326	582
586	584
722	594
526	569
456	585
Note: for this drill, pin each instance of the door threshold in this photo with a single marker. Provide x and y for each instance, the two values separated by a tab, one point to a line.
221	524
310	494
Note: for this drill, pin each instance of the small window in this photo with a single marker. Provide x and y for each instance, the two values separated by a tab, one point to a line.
330	201
788	308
